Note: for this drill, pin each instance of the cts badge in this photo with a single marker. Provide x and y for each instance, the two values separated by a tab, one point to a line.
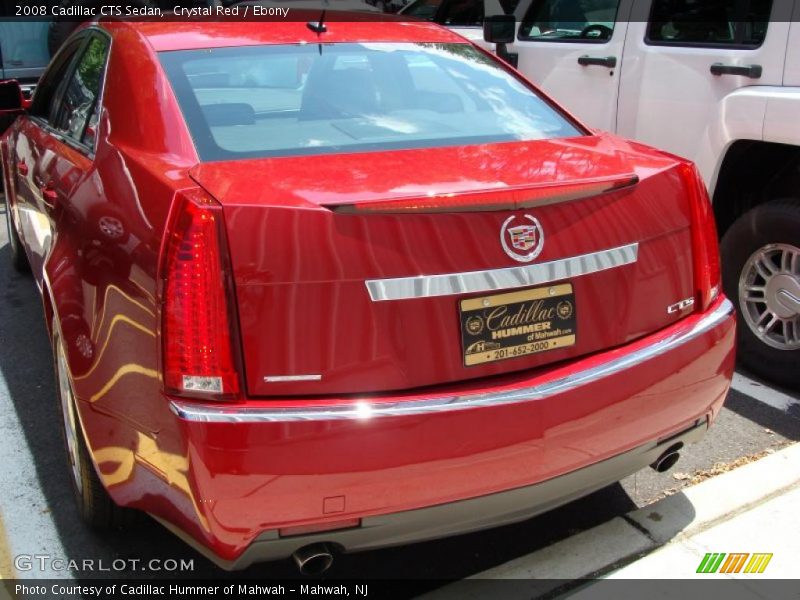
522	241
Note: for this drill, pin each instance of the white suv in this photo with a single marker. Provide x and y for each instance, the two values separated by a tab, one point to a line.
716	81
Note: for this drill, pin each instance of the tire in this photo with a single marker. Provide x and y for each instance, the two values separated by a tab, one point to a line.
769	329
18	259
61	27
94	504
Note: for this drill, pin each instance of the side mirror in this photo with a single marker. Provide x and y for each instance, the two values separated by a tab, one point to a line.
499	29
11	98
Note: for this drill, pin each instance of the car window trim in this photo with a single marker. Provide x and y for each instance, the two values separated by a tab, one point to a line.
529	38
96	32
737	35
50	68
60	137
44	124
58	96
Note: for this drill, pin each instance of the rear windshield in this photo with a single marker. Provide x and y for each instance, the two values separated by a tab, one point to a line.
300	99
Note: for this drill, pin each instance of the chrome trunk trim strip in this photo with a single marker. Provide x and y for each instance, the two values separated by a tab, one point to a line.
614	362
449	284
287	378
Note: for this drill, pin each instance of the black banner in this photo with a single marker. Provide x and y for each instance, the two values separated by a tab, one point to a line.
495	589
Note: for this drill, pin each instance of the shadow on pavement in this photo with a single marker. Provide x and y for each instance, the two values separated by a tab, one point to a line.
784	423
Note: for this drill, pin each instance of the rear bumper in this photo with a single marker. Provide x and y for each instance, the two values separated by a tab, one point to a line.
417	468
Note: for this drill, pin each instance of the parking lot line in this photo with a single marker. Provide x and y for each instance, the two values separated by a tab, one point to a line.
762	393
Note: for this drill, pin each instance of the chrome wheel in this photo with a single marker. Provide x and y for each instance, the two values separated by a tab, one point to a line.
67	400
769	295
111	227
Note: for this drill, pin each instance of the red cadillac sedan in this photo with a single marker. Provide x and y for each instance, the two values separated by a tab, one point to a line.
315	291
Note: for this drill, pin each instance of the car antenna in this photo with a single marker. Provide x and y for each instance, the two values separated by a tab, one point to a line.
318	27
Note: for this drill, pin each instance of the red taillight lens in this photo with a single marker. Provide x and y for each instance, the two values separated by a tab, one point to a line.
494	200
196	314
705	245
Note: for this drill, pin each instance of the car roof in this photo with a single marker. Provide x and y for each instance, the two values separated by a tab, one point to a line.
166	35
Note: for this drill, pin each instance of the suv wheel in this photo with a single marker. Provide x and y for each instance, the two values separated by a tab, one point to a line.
761	272
96	507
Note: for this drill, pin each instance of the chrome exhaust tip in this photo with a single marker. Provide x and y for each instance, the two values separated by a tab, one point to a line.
313	559
667	460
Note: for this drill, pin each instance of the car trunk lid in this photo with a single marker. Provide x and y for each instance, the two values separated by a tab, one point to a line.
370	272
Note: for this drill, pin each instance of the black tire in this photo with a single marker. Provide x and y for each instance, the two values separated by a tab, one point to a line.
95	506
776	222
62	27
18	259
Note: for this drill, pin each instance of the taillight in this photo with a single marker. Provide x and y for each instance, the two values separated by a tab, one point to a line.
705	246
493	200
197	333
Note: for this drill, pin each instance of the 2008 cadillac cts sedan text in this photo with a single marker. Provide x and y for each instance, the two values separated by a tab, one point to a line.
359	287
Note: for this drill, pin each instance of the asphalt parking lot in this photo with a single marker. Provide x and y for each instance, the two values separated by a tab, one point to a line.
38	514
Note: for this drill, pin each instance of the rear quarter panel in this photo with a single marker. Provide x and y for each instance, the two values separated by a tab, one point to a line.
104	288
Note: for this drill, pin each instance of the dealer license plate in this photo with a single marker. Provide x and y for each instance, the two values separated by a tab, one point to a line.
517	324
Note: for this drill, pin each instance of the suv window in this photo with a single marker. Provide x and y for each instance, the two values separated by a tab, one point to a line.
423	9
709	22
464	13
570	21
80	95
458	13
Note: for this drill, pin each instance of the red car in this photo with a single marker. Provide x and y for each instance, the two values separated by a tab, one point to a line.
336	290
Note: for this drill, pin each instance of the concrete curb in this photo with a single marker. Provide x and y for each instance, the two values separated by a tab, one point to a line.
671	520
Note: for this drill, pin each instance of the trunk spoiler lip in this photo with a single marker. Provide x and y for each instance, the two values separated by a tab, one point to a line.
491	200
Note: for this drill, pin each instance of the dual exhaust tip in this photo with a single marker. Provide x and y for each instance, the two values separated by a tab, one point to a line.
316	559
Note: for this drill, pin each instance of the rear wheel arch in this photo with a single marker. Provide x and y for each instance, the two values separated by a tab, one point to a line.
753	173
64	302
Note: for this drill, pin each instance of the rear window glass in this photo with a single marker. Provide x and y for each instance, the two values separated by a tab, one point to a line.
331	98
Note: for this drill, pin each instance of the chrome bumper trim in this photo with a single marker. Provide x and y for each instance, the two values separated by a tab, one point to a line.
449	284
682	333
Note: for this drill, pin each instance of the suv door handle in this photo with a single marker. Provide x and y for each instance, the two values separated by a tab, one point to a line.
600	61
751	71
22	168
